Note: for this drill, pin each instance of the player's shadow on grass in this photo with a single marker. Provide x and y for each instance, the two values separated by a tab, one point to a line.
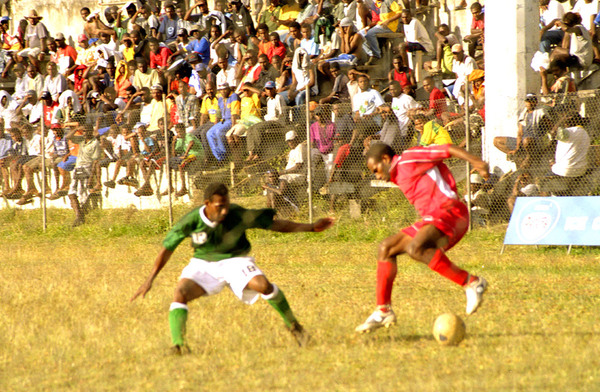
530	334
392	337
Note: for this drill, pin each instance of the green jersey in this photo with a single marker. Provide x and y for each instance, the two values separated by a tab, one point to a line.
213	241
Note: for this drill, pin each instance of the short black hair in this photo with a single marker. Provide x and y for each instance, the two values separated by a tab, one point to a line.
378	150
216	188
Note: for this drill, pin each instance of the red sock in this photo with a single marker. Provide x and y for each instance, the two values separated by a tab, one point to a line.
441	264
386	273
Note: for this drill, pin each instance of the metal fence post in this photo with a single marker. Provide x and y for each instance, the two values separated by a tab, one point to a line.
43	154
167	160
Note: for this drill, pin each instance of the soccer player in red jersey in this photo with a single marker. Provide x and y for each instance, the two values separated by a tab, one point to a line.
428	185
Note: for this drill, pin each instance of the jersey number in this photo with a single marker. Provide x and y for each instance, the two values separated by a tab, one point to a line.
251	268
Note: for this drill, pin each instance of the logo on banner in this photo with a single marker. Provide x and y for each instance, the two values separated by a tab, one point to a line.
537	219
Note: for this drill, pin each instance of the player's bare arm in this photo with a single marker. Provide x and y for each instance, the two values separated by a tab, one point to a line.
163	256
480	166
285	226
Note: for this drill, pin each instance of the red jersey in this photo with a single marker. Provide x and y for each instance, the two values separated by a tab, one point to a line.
477	24
437	101
49	113
403	77
276	50
424	179
160	59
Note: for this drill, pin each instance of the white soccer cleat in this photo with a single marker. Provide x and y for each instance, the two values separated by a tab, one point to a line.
474	291
377	320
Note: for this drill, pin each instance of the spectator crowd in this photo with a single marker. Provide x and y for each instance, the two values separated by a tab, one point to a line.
230	83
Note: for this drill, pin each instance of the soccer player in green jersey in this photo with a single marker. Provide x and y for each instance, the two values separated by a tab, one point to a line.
218	233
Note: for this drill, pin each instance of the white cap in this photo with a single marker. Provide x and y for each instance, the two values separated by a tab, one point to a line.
476	178
291	135
531	190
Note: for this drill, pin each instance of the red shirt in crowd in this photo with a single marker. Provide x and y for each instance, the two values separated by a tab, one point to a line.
437	101
160	59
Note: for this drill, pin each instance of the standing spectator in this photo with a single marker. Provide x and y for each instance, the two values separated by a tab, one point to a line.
187	108
35	164
187	153
89	151
123	153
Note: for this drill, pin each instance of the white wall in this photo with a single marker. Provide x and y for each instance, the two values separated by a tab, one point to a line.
511	39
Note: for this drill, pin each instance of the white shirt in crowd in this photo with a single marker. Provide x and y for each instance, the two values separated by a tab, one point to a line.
275	108
586	11
366	102
555	11
400	107
416	32
571	152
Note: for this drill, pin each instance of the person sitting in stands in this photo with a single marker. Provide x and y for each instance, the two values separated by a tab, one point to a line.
403	75
430	132
416	37
533	126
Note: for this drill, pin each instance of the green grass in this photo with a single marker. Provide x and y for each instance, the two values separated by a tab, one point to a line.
66	322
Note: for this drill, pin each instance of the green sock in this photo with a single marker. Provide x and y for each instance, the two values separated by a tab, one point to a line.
277	300
177	319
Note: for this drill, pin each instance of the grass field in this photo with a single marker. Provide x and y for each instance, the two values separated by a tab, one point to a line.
66	322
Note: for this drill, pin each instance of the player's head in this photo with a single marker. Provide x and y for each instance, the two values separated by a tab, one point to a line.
379	160
216	200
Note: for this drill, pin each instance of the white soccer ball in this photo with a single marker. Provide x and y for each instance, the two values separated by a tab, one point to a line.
449	329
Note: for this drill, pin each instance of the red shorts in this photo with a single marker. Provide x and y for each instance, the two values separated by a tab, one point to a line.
452	221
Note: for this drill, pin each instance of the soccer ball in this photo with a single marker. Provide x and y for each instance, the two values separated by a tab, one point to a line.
449	329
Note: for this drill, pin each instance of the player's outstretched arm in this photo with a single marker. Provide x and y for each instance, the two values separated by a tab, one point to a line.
163	256
285	226
482	167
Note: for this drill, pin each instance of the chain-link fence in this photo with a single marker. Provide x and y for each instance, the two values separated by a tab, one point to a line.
551	151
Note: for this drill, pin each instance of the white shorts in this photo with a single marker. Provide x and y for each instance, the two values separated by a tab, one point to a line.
214	276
